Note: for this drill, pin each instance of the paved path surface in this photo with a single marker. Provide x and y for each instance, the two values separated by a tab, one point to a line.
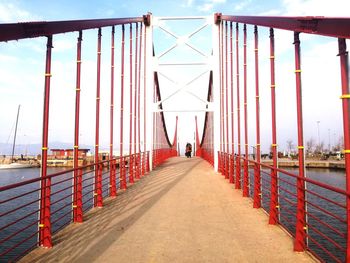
181	212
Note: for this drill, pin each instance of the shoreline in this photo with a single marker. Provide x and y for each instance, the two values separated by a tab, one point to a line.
309	164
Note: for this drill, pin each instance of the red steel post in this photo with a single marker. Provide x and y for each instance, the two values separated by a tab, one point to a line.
122	162
226	84
344	69
232	163
98	177
77	186
155	135
112	179
257	179
144	167
147	161
273	216
223	164
136	164
220	161
138	108
245	173
79	202
45	239
131	159
300	231
238	160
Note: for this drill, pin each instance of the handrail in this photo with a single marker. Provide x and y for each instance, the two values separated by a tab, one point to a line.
319	25
308	180
326	212
61	204
15	185
15	31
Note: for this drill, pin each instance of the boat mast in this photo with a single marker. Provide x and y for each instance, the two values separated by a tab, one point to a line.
14	138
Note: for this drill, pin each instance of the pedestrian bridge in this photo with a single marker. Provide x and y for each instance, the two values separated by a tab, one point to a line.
183	211
137	200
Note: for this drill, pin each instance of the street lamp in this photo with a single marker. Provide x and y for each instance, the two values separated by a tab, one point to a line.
318	132
254	151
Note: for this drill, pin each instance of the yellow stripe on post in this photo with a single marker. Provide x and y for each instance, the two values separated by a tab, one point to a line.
345	96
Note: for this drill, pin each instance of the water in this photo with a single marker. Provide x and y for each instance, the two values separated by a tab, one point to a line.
325	232
27	216
62	206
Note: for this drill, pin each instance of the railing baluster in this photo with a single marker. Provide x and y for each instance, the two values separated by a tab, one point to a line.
77	186
122	160
45	193
131	159
301	228
257	179
245	162
238	160
145	158
139	158
232	162
220	161
273	215
226	113
112	178
135	160
344	69
98	178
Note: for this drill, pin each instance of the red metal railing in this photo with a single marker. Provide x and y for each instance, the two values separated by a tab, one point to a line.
162	148
19	203
205	146
295	201
326	223
31	211
315	214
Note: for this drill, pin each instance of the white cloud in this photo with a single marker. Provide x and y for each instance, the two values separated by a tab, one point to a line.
63	45
188	3
6	58
272	12
205	7
240	6
10	13
316	7
208	5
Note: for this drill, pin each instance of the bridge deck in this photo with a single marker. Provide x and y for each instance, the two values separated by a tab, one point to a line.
181	212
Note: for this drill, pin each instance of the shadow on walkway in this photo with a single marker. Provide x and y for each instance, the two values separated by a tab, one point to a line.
82	242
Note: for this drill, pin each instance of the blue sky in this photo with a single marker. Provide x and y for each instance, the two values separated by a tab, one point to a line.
23	63
15	10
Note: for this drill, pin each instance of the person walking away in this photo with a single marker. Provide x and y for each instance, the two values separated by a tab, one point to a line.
188	150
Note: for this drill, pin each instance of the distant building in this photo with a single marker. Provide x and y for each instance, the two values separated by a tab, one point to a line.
68	153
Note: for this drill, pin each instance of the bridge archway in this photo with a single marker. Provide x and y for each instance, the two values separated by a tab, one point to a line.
186	65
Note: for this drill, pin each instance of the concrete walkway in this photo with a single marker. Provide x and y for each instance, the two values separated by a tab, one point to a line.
181	212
